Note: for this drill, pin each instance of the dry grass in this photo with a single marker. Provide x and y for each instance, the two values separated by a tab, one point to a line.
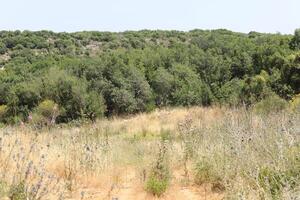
213	153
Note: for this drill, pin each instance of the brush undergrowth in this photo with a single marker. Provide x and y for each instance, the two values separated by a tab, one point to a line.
236	152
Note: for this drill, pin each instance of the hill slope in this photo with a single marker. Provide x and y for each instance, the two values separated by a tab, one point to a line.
92	74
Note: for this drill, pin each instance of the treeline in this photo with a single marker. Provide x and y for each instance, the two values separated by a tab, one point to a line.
60	77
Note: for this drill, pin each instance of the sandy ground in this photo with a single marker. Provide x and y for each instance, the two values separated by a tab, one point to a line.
130	188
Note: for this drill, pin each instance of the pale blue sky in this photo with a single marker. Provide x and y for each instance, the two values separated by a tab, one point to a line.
119	15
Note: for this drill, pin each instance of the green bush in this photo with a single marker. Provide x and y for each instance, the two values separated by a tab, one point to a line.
273	181
189	89
156	186
3	112
205	173
18	192
45	113
295	103
2	48
94	106
159	178
47	108
162	83
271	104
229	93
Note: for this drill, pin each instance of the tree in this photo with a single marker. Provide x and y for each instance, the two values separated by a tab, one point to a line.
88	74
254	89
2	48
94	106
188	88
162	84
45	113
295	42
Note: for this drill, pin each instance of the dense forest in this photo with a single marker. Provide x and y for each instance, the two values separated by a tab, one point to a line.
60	77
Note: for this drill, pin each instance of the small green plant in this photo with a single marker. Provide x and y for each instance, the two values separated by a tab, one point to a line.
205	173
3	111
271	181
274	181
295	103
159	178
18	191
166	135
3	189
156	186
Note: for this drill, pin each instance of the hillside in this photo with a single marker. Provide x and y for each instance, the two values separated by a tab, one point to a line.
88	75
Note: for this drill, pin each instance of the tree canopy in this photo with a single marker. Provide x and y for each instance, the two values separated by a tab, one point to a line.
93	74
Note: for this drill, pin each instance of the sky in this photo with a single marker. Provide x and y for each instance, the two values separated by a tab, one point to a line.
269	16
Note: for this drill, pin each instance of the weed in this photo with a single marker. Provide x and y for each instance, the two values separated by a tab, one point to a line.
205	174
156	186
159	178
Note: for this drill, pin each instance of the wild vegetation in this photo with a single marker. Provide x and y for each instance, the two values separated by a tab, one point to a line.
87	75
149	115
184	153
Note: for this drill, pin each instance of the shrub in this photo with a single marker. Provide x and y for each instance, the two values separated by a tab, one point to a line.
205	173
189	89
271	181
45	113
48	109
94	106
2	48
162	83
270	104
230	92
18	192
157	186
295	103
3	111
159	178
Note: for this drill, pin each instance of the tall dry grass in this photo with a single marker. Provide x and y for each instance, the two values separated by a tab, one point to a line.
231	152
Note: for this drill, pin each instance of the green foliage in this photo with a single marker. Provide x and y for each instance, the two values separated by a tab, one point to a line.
47	108
162	84
295	42
274	181
271	104
3	112
45	113
94	106
156	186
205	173
188	88
295	103
91	74
158	181
18	192
230	92
2	48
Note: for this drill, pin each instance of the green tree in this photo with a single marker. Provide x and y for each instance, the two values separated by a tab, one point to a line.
162	84
188	88
94	106
2	48
295	42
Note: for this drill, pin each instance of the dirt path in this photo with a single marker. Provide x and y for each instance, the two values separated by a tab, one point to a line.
174	193
132	189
